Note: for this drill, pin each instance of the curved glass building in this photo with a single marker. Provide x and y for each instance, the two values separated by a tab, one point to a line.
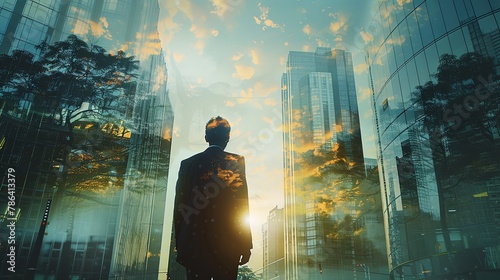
434	74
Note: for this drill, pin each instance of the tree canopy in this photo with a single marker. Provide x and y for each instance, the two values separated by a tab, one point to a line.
65	74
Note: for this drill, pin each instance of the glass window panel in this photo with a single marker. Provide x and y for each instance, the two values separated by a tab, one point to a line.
488	24
495	4
436	18
413	28
424	25
463	12
443	46
458	45
422	70
480	7
449	14
412	75
405	34
405	83
398	42
432	60
468	41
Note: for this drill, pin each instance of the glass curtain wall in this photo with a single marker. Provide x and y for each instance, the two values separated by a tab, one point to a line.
434	73
86	126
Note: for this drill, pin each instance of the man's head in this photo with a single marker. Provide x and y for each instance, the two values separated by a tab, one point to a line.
217	131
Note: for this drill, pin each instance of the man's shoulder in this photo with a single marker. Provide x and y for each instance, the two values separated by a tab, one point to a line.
233	156
190	159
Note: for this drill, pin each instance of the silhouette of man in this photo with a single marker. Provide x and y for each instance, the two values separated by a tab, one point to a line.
211	209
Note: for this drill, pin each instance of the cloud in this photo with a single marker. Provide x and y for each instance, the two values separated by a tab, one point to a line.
236	57
363	93
265	20
282	60
198	32
270	102
396	41
200	46
360	68
178	57
340	23
255	57
262	90
402	2
307	29
246	95
221	7
243	72
366	36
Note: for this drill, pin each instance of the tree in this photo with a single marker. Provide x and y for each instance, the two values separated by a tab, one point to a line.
66	74
456	109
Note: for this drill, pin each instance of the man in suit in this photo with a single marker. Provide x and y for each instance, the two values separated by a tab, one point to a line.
212	232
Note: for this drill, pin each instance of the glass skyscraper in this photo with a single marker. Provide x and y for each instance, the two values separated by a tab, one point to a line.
324	166
434	73
102	166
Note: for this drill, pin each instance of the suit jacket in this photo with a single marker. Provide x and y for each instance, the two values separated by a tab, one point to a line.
211	210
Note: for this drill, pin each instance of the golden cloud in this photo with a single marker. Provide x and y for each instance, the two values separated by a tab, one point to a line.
243	72
364	93
396	41
402	2
178	57
282	60
236	57
221	7
200	46
340	24
198	32
270	102
255	57
366	36
264	18
307	29
262	90
360	68
215	32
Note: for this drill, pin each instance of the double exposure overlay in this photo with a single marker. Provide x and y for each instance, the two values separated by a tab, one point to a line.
370	132
434	69
85	127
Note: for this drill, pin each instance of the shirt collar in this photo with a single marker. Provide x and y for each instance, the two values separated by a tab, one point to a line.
211	146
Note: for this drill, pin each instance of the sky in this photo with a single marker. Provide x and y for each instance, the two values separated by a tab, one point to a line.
226	57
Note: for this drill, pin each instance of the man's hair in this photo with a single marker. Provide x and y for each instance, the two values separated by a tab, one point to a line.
217	130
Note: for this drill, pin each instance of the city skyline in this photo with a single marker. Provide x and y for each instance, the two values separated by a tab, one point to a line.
438	187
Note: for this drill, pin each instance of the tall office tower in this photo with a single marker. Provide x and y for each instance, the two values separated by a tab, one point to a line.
436	108
102	163
323	161
273	233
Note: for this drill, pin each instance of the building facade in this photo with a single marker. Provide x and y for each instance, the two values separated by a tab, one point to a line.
433	68
273	234
104	166
324	166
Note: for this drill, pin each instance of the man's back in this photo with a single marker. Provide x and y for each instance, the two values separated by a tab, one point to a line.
211	211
